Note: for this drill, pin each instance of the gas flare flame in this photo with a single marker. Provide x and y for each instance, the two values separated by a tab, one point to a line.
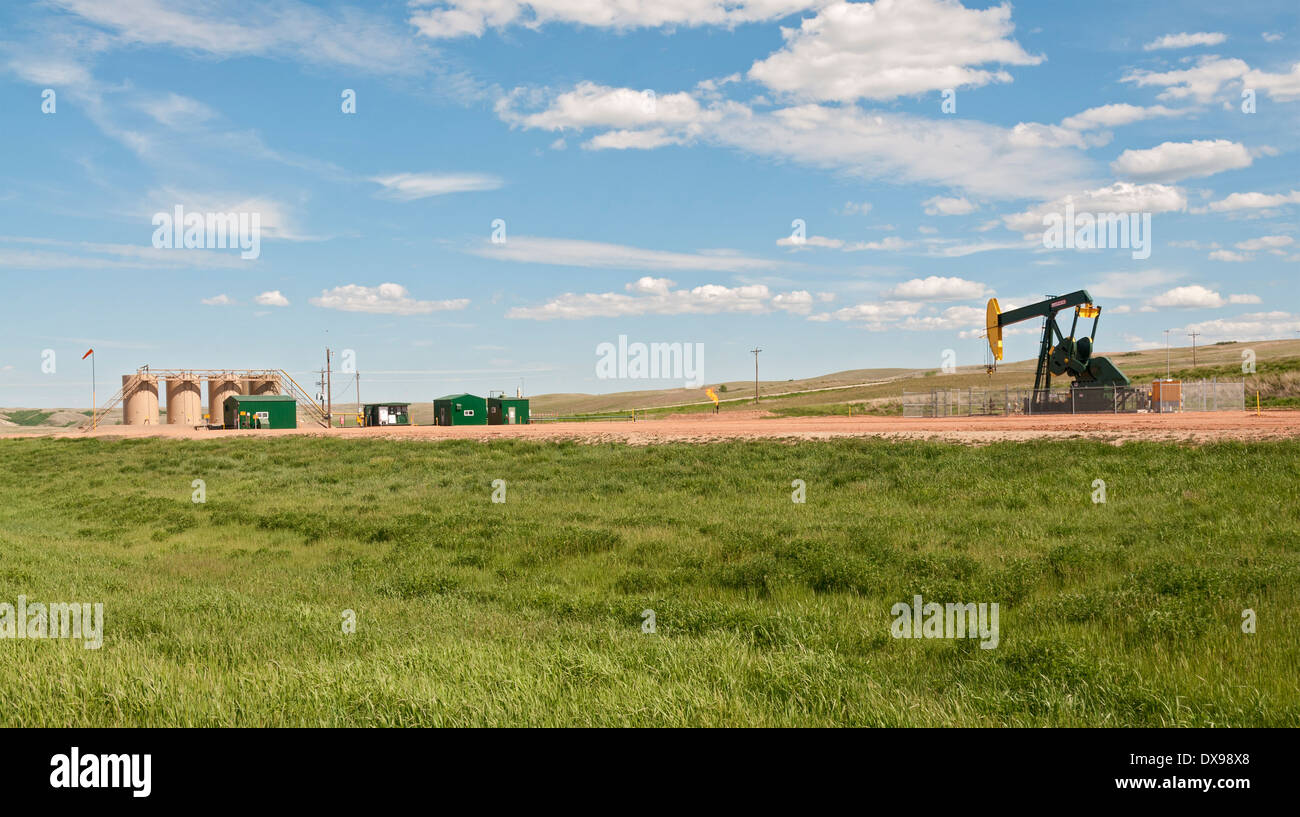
712	395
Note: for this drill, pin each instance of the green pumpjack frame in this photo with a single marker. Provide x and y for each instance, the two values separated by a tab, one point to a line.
1060	354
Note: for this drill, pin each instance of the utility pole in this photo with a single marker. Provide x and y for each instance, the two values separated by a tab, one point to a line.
755	353
329	389
359	408
1193	336
1167	331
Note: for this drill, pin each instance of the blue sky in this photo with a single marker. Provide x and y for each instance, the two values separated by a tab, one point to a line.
650	162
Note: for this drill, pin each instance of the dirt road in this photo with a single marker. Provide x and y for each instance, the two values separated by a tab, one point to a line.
1194	427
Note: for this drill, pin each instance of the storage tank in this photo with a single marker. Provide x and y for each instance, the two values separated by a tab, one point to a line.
184	400
263	385
139	399
219	388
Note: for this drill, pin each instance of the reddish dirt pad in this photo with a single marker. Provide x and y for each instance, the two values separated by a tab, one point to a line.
1193	427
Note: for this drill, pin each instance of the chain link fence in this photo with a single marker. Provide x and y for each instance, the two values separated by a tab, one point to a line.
1203	395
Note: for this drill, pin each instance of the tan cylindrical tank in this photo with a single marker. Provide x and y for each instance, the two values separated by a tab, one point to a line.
264	385
139	400
219	388
184	400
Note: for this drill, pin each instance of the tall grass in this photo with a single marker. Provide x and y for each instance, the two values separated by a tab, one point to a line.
768	612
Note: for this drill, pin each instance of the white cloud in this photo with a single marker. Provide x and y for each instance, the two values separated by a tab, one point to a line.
1250	201
1196	296
1250	326
888	244
345	37
1271	37
936	288
1200	83
49	70
219	300
799	302
656	296
176	111
412	186
1115	115
892	48
271	298
461	18
1282	87
811	241
590	105
1265	242
1173	161
94	255
967	318
1229	256
276	220
964	249
909	316
1120	197
968	155
385	299
852	208
1133	284
578	253
1186	40
874	316
632	140
943	206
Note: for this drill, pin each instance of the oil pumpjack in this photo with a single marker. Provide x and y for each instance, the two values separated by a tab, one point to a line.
1096	383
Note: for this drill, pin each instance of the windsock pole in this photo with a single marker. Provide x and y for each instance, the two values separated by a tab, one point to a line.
94	403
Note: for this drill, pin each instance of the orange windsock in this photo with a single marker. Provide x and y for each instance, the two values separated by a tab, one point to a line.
88	353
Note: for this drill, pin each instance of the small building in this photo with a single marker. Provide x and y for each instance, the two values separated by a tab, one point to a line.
460	410
386	414
260	411
1166	395
507	411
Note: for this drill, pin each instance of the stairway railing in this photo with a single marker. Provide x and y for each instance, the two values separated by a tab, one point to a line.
313	411
97	415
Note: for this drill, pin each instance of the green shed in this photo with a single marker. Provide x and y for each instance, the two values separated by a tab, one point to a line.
260	411
507	411
386	414
460	410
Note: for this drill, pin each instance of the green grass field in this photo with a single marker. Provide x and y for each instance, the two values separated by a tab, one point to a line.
768	612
